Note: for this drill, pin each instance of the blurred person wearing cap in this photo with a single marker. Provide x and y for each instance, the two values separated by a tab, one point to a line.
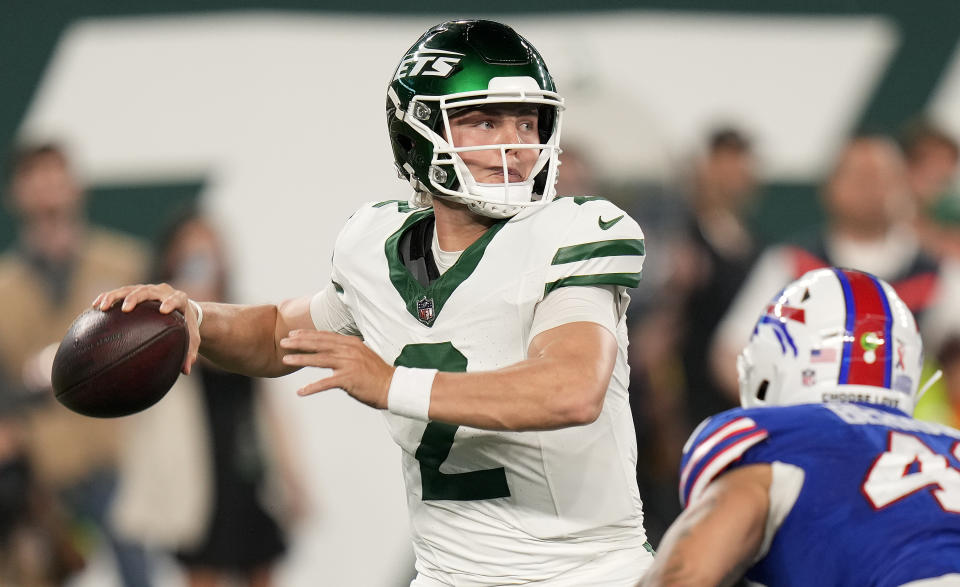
672	388
56	266
713	260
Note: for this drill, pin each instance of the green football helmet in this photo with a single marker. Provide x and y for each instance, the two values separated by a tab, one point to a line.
470	63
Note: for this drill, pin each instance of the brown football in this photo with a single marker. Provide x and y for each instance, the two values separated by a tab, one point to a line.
117	363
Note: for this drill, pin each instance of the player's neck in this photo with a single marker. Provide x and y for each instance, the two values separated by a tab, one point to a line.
457	227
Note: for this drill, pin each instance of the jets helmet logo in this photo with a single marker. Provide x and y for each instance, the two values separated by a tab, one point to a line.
434	62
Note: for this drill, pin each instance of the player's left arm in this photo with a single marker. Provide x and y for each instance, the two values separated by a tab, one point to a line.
718	537
570	357
562	383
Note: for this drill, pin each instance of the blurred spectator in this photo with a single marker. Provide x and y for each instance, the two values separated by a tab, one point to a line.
49	276
932	159
867	202
707	263
712	263
35	549
207	471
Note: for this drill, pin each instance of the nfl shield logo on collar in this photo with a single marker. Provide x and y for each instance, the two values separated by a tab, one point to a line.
425	309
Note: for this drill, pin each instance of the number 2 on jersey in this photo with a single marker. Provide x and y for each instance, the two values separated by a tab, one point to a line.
910	466
438	437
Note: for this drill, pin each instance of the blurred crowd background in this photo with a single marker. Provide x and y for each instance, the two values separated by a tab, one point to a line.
220	146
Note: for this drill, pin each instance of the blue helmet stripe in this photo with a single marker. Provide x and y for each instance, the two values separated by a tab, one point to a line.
848	326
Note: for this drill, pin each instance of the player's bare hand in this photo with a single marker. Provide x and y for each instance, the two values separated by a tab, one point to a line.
170	299
356	368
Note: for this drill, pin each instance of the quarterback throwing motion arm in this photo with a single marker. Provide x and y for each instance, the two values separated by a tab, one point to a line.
242	339
562	383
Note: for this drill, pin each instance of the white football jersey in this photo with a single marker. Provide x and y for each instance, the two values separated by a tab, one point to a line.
491	507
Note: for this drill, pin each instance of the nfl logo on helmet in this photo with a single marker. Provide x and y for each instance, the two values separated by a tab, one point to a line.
425	309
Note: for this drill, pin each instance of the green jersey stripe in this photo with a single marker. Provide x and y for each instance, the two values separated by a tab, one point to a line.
624	279
610	248
581	200
402	205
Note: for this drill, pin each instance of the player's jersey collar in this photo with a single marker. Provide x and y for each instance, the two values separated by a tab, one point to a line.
425	302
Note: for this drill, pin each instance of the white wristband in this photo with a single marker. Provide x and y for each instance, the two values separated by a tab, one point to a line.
199	310
409	393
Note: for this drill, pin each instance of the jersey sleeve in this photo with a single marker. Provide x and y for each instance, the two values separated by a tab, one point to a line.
328	311
602	246
372	218
329	308
597	304
713	447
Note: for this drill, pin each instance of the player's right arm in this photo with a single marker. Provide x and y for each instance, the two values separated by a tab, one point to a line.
717	538
246	339
239	338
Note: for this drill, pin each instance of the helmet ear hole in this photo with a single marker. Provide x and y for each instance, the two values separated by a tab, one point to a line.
762	389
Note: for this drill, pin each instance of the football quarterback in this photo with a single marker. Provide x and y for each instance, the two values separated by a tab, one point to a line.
486	316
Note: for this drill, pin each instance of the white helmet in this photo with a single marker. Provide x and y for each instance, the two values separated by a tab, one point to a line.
833	335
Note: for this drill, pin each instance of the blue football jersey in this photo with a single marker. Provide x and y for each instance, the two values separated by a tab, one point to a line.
880	502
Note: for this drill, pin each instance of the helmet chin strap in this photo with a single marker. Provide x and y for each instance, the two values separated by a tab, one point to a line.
424	199
498	200
421	198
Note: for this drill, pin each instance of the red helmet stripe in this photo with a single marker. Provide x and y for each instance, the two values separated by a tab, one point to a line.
867	352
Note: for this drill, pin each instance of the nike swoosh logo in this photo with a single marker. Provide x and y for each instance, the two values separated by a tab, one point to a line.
607	224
